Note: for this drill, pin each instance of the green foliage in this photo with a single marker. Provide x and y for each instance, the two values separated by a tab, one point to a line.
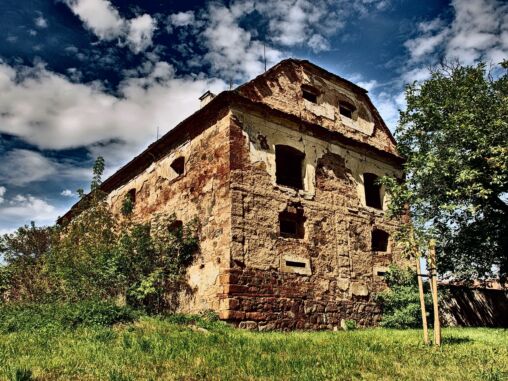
454	136
27	317
401	302
96	256
23	252
350	325
127	205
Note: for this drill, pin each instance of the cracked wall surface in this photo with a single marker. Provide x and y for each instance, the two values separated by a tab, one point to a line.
247	270
342	274
202	192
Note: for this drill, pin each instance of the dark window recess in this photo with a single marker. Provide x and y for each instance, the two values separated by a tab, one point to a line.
310	96
289	166
132	196
291	222
379	240
178	165
176	227
347	109
381	273
295	264
372	190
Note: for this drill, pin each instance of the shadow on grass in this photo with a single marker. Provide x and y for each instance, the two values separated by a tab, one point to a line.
455	340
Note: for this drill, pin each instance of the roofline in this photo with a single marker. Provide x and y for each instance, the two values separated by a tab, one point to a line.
333	76
212	112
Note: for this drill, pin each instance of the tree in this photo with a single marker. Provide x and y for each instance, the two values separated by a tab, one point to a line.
454	135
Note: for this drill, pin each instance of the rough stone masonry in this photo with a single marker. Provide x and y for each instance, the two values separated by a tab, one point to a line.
282	175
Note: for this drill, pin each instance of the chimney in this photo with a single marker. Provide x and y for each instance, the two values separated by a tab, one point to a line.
205	98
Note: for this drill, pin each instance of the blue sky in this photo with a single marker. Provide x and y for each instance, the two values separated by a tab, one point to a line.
81	78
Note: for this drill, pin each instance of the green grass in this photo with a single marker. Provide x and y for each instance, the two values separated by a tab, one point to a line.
176	349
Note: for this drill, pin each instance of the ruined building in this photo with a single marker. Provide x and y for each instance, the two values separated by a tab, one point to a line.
282	174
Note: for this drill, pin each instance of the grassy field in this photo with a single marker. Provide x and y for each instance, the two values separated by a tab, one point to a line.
155	349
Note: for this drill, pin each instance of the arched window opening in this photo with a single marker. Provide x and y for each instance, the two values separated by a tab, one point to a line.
132	196
372	190
379	241
289	166
178	165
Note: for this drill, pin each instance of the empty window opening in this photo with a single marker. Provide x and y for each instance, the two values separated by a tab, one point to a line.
178	165
381	273
132	195
346	109
379	240
291	222
289	166
295	264
176	228
372	191
311	97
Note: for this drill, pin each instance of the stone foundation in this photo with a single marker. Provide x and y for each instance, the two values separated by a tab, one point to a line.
272	300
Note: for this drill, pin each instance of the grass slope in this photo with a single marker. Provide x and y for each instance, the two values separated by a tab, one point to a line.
155	349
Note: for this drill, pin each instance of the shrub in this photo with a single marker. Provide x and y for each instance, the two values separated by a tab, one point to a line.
23	317
401	302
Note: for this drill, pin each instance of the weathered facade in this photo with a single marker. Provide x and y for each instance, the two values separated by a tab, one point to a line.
281	173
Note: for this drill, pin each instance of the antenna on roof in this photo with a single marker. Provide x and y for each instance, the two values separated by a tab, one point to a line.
157	133
264	53
230	83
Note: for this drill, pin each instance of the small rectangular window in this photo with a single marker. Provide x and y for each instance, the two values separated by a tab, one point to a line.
291	222
379	240
346	111
372	191
289	166
311	97
295	264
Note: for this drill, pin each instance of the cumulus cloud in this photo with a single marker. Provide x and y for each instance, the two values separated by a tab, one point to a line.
21	166
479	30
67	193
232	52
49	111
182	18
2	193
99	16
104	20
41	22
140	32
22	209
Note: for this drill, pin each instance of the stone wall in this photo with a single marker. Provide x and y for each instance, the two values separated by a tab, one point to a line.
281	88
201	192
337	273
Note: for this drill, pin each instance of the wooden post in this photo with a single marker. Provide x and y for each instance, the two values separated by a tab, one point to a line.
420	286
422	301
433	283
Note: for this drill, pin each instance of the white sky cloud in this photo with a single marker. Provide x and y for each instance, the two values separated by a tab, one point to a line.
21	166
2	193
22	209
104	20
41	22
182	18
67	193
478	31
49	111
99	16
140	33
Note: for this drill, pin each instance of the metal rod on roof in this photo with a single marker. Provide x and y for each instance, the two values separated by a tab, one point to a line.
264	53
